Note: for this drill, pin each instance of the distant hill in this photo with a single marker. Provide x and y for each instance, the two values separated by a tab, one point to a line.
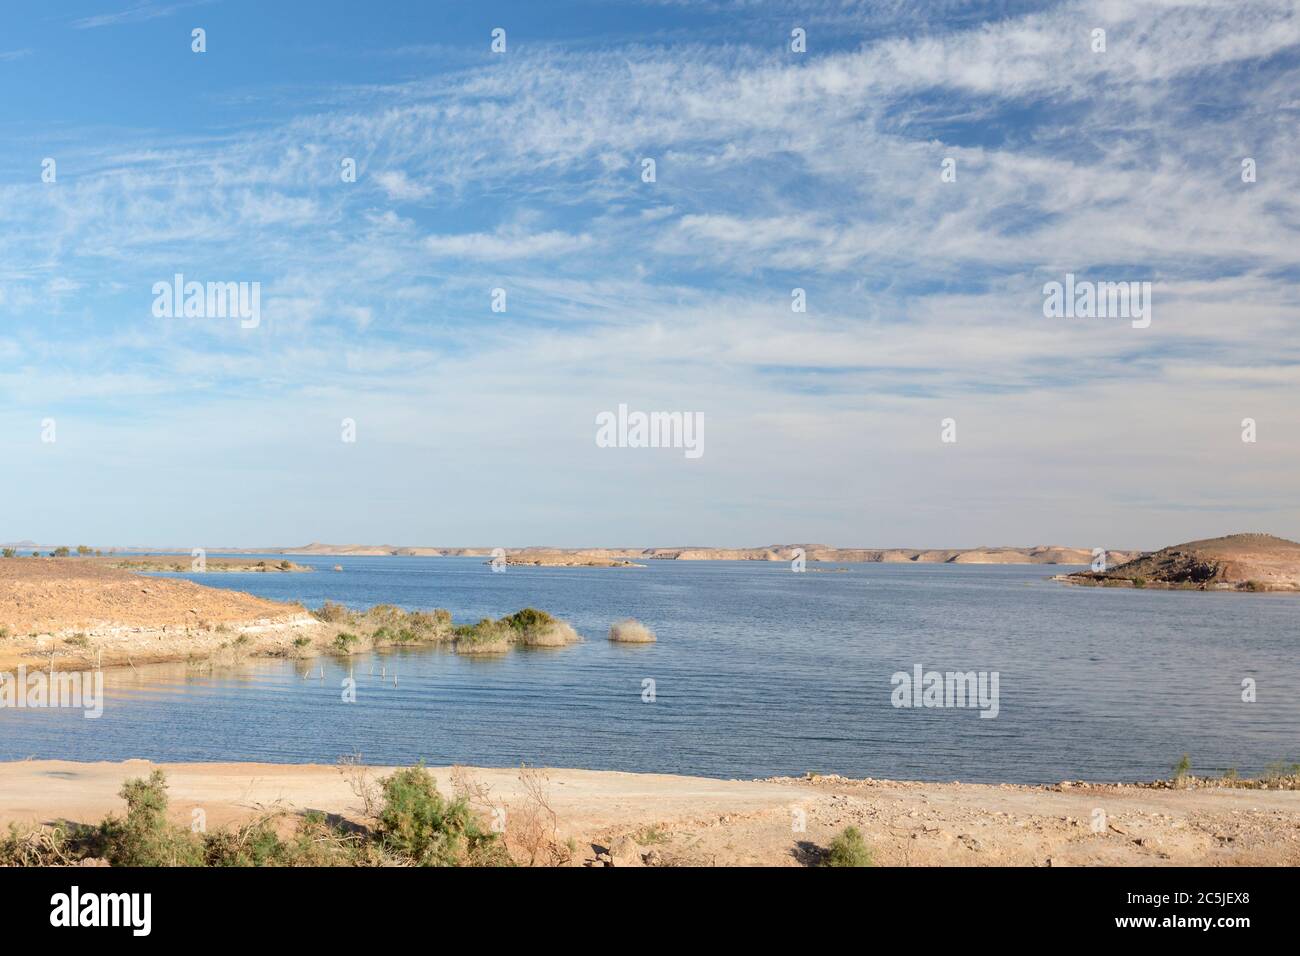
1241	562
1041	554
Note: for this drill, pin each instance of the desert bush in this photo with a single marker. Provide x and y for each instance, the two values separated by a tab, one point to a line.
345	642
417	824
631	631
1139	582
332	613
413	824
848	849
145	838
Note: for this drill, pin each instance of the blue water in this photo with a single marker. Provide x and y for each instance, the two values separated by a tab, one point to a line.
757	671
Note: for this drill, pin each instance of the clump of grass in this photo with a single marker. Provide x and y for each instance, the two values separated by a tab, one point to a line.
485	637
649	836
345	642
631	631
332	613
77	640
1139	582
1282	774
392	625
848	849
1182	769
533	628
301	642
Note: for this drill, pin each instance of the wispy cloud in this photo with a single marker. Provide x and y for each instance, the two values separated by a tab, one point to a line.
135	14
775	171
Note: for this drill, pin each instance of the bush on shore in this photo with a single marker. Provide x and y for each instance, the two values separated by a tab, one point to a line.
848	849
414	825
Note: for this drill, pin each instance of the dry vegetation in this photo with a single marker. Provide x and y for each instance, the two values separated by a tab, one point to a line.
631	632
386	626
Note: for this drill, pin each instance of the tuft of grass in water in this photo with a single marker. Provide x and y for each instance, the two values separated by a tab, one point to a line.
848	849
631	631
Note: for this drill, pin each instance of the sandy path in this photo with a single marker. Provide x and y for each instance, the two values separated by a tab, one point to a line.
716	822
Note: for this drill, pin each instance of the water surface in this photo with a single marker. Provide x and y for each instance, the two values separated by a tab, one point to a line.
758	671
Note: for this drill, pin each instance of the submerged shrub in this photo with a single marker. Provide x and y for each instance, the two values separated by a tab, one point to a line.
485	637
528	619
631	631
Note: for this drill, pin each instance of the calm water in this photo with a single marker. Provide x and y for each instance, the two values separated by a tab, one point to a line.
758	671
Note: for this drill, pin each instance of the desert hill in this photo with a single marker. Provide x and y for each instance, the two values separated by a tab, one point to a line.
589	557
1242	562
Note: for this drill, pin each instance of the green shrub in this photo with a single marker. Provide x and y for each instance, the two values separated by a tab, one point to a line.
417	824
345	642
1182	768
848	849
528	619
1139	582
145	838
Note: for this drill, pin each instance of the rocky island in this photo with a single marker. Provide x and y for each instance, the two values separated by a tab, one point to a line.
1235	562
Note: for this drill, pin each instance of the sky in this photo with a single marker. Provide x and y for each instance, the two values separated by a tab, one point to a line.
775	169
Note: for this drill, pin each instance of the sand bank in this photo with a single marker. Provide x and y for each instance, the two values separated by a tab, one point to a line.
669	820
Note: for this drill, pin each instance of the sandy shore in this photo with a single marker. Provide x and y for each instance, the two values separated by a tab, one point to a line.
673	820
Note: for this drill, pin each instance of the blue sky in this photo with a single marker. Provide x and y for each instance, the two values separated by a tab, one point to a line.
522	171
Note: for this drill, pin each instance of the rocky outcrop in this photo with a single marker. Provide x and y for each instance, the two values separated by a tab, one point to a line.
1240	562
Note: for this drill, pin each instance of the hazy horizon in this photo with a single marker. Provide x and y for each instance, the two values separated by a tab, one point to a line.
781	163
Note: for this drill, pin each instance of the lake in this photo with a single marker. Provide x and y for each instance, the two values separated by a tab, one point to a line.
758	671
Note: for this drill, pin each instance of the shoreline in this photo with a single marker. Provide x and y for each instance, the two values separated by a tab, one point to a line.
636	819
